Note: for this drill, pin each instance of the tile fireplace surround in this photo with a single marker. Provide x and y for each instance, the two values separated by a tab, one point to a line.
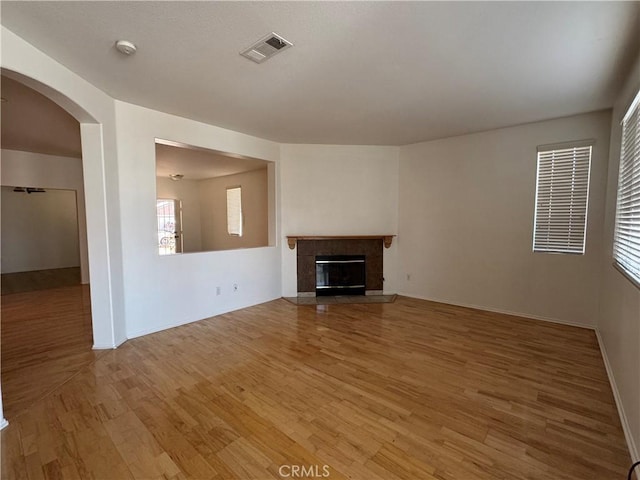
370	247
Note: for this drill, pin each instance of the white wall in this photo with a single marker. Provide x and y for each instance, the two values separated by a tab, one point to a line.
187	191
39	230
619	322
466	222
338	190
49	171
161	292
485	181
96	113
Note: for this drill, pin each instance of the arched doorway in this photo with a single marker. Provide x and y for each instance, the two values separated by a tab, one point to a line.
45	303
103	260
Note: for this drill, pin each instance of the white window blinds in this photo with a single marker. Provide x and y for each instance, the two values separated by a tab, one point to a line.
626	241
234	211
562	197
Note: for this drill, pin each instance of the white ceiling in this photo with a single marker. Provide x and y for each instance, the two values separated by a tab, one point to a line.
359	73
199	164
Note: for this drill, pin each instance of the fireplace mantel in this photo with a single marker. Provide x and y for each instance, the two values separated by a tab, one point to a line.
292	239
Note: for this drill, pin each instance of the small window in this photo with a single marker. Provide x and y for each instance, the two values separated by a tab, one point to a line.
626	240
234	211
562	197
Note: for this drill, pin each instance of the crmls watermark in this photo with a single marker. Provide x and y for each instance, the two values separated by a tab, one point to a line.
304	471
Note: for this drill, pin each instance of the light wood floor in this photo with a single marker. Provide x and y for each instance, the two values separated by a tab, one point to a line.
333	299
39	280
46	339
406	390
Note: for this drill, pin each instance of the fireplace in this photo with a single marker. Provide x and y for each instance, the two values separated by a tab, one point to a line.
367	251
340	275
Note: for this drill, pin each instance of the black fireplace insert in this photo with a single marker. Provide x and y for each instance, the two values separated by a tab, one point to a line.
340	275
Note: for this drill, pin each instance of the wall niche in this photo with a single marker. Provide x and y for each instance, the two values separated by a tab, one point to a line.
208	200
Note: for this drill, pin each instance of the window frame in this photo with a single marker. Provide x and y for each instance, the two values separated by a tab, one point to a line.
632	170
539	244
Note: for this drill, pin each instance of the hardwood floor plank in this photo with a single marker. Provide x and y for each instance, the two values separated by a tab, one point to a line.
408	390
38	280
47	338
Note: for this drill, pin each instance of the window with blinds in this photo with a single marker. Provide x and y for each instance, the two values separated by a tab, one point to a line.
234	211
626	240
562	198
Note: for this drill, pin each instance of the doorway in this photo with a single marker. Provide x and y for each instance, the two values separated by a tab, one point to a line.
40	239
169	217
46	321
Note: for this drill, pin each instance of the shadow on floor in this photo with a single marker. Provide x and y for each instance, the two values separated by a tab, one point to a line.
47	338
39	280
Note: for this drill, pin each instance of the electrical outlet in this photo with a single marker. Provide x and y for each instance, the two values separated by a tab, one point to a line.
235	287
217	290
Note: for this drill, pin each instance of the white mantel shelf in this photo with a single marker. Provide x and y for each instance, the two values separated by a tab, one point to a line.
292	239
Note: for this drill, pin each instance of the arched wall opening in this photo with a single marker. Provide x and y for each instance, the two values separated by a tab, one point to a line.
100	257
41	148
96	208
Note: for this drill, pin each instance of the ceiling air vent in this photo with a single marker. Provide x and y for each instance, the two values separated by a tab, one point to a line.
266	48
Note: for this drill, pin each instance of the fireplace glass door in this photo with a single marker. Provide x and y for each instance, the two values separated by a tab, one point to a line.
340	275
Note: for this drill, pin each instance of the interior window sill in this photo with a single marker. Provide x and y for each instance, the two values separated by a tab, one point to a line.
626	275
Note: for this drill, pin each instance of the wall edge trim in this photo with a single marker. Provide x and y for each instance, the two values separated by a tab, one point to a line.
100	346
528	316
633	450
161	328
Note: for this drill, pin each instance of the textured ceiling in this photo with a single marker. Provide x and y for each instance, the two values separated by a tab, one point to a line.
359	72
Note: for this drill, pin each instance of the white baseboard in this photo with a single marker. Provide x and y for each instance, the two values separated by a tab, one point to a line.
505	312
180	323
633	451
3	423
631	444
167	326
98	346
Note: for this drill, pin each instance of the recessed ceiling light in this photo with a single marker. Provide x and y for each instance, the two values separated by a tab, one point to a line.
176	176
126	47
